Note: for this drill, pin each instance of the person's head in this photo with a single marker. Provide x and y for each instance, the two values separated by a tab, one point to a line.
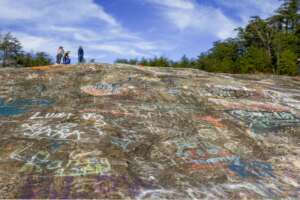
298	61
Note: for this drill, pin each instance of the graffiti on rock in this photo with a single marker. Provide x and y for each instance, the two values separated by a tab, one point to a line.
37	162
173	91
97	119
64	131
263	120
102	89
102	186
123	143
85	167
21	106
106	184
82	164
35	187
56	145
232	92
217	122
39	115
230	104
203	156
251	169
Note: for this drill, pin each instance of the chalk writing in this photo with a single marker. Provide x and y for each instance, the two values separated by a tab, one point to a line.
82	164
38	115
217	122
173	91
265	120
84	167
122	143
56	145
98	120
21	106
102	89
201	156
251	169
64	131
233	92
101	186
38	162
135	185
107	86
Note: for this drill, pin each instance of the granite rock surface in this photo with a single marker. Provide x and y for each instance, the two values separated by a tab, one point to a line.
130	132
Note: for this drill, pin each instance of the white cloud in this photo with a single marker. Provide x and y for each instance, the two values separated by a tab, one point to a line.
193	15
55	11
179	4
43	25
188	15
247	8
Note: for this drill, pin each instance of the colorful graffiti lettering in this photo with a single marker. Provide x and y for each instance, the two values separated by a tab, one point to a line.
107	86
38	162
98	120
251	169
64	131
232	92
91	166
79	165
173	91
38	115
21	106
200	156
122	143
56	145
217	122
263	120
102	89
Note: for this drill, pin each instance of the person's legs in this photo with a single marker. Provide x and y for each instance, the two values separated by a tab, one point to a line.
58	58
80	59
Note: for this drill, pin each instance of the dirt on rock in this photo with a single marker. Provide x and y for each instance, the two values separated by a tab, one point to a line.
129	132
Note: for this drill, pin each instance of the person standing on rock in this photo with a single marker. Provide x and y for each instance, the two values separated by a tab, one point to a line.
80	55
67	59
60	54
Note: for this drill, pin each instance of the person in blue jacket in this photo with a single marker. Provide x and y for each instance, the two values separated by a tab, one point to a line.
80	55
66	59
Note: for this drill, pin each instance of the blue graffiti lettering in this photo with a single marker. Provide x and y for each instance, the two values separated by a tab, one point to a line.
251	169
21	106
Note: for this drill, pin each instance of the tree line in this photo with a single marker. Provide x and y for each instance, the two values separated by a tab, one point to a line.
13	55
269	45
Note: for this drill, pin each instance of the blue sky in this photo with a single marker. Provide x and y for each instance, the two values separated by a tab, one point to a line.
110	29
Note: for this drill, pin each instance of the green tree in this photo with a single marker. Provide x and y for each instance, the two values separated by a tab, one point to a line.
259	33
221	58
288	63
30	60
42	59
144	62
255	60
162	62
122	61
184	62
10	47
288	15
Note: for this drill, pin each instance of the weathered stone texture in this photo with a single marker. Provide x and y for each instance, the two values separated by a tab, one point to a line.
130	132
